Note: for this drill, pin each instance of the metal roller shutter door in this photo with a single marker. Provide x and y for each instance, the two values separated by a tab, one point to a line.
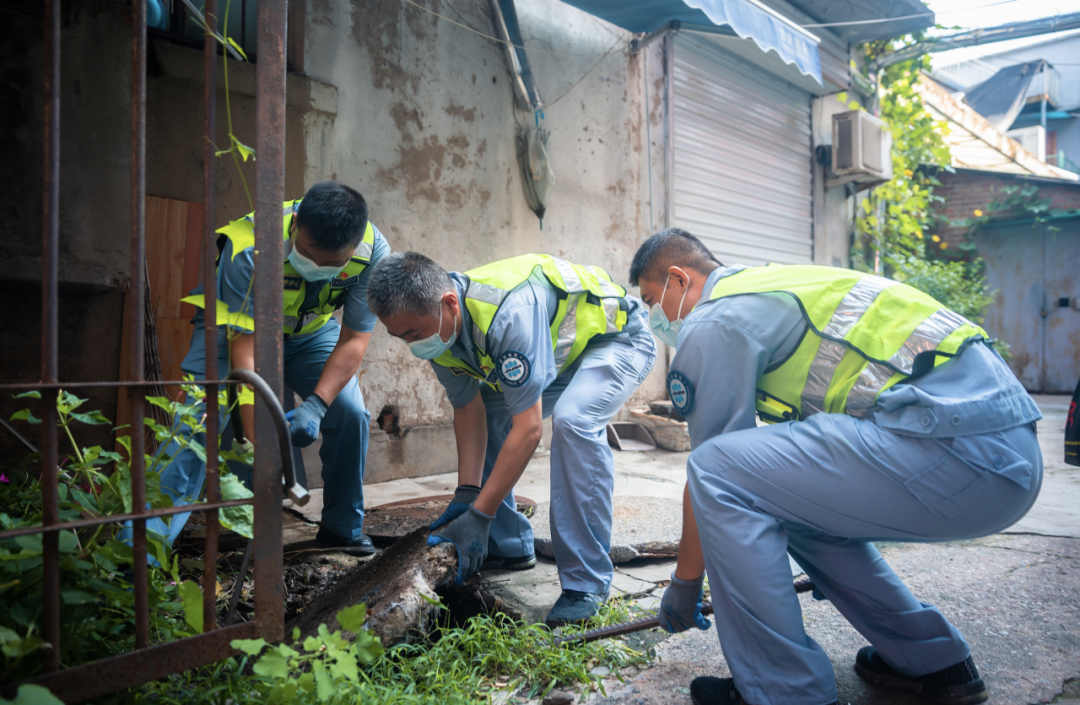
742	161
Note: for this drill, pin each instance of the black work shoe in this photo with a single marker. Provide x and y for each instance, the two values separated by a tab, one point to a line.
958	684
500	563
708	690
354	547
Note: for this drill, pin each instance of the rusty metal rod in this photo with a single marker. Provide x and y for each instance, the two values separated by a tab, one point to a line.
50	253
98	678
271	30
30	386
640	625
137	292
209	250
120	518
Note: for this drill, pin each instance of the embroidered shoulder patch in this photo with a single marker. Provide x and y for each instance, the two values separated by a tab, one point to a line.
293	283
513	368
681	392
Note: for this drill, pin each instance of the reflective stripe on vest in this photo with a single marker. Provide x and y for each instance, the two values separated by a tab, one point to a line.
241	233
590	304
867	334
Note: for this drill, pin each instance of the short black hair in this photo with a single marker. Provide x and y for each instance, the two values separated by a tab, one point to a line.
670	247
407	282
333	215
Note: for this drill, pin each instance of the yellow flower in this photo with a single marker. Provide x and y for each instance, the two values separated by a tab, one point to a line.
978	213
935	238
908	173
919	235
944	245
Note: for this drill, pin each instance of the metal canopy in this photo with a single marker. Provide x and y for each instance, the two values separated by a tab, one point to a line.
749	19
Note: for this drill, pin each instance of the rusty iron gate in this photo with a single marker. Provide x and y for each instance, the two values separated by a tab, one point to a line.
148	662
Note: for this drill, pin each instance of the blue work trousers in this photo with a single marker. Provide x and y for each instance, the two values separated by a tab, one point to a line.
344	434
822	489
581	402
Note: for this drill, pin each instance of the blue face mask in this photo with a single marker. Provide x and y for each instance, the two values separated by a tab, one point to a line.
432	346
309	270
665	330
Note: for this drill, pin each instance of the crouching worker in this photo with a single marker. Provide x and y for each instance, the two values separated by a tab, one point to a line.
893	419
330	246
513	342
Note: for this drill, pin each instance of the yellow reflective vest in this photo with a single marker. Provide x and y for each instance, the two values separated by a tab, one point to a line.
298	320
590	304
866	334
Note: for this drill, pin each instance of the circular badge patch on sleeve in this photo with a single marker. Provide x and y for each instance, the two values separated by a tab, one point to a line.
681	392
513	368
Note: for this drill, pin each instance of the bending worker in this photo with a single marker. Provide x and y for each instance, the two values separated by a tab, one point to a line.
513	342
330	246
893	419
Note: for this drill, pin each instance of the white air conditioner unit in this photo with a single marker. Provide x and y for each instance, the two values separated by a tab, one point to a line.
861	150
1033	139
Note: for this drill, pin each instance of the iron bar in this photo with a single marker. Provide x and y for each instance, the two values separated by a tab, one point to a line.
30	386
93	680
271	31
120	518
137	292
209	250
50	253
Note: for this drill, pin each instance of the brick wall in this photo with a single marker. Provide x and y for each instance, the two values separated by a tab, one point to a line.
966	191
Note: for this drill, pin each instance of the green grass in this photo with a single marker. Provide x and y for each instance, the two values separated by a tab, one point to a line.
467	664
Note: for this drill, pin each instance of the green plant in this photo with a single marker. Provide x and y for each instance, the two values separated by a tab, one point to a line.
97	611
490	656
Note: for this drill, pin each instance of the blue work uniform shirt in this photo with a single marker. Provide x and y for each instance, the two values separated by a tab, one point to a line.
236	291
726	346
522	327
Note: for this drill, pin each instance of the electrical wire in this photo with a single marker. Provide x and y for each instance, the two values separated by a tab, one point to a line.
921	14
586	74
497	39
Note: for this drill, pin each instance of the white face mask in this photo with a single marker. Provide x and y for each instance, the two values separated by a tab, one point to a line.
665	330
432	346
309	270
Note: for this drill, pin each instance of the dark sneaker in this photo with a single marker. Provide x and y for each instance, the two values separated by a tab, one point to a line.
708	690
500	563
354	547
958	684
575	606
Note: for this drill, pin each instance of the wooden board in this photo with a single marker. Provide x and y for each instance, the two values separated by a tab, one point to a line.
166	241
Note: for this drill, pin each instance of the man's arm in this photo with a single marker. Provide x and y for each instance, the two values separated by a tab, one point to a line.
515	454
242	354
342	364
470	431
691	563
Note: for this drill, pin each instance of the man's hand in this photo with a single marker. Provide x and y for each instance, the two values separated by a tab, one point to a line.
463	497
469	534
680	607
306	419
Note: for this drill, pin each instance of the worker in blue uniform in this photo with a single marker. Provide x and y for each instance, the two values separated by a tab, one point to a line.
513	342
330	247
893	419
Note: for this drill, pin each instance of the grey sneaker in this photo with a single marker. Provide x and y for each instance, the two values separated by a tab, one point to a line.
500	563
574	606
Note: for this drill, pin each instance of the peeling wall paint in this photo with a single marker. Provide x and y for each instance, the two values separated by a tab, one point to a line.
426	129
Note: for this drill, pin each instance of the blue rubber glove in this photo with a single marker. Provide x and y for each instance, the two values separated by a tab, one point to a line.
464	495
469	534
680	607
306	419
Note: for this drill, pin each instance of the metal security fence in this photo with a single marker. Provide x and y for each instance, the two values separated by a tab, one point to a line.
148	662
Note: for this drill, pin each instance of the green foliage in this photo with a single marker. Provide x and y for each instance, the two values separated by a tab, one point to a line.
33	695
491	656
955	281
97	611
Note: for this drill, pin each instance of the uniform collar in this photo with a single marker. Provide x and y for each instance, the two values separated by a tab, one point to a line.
463	347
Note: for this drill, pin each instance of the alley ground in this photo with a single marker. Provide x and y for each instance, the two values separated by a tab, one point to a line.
1015	596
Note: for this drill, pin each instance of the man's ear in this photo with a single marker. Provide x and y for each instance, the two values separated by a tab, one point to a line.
451	300
679	275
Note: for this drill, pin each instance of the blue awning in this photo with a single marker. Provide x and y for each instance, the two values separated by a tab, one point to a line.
743	18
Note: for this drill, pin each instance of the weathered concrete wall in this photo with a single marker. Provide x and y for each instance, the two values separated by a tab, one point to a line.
833	208
426	130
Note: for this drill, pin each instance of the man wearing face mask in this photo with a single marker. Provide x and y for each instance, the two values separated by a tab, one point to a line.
330	247
893	419
513	342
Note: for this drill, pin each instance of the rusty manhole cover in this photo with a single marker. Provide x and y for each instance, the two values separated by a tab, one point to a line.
642	527
387	523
